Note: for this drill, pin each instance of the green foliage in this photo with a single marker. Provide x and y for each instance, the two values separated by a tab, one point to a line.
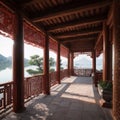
37	61
61	68
52	70
106	85
109	86
51	61
103	84
30	71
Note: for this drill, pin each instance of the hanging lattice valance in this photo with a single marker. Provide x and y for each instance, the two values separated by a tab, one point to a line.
7	22
64	51
53	45
33	36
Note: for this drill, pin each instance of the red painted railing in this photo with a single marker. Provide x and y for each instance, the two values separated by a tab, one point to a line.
53	78
6	94
63	73
32	88
83	72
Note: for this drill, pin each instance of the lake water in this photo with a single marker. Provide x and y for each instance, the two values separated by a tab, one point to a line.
6	74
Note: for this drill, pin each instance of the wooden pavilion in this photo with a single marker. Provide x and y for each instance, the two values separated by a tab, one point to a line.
66	27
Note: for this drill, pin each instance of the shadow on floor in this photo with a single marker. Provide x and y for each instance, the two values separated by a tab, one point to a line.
74	99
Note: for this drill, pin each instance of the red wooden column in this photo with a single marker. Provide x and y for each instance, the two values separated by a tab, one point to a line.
68	63
71	63
106	61
58	64
116	42
18	67
46	82
94	67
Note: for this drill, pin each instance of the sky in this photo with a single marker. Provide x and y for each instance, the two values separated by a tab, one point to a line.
6	47
83	56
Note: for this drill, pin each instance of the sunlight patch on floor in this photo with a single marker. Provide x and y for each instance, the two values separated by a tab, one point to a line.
80	92
69	80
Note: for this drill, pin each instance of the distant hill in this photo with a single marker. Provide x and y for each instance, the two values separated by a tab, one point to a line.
83	63
4	62
7	62
86	63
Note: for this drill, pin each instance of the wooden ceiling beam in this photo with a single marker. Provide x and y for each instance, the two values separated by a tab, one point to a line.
82	50
78	40
77	33
98	40
82	46
80	37
70	8
77	23
26	3
90	49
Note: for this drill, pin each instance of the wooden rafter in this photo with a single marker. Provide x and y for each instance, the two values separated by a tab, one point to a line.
83	24
80	37
78	33
70	8
29	2
76	23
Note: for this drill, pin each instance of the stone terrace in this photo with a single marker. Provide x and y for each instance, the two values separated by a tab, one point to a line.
74	99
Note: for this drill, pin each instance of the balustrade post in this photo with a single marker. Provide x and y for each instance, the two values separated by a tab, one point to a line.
46	81
58	64
18	67
116	42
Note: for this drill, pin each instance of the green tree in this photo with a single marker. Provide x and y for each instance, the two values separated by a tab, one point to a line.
36	60
61	68
51	64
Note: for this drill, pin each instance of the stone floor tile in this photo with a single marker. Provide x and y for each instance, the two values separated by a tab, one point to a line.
74	99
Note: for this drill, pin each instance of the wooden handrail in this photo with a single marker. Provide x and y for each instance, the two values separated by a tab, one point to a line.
32	88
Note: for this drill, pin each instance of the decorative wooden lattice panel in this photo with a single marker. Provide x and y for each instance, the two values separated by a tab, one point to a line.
53	45
7	22
33	36
64	51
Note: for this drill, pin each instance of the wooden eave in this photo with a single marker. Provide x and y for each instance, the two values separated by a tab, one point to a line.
70	22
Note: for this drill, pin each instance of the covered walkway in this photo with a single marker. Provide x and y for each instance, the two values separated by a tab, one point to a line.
74	99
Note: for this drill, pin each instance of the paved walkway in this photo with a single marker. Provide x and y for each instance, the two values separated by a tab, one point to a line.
74	99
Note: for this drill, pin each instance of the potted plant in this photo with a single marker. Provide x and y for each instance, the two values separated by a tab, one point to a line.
105	89
101	85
